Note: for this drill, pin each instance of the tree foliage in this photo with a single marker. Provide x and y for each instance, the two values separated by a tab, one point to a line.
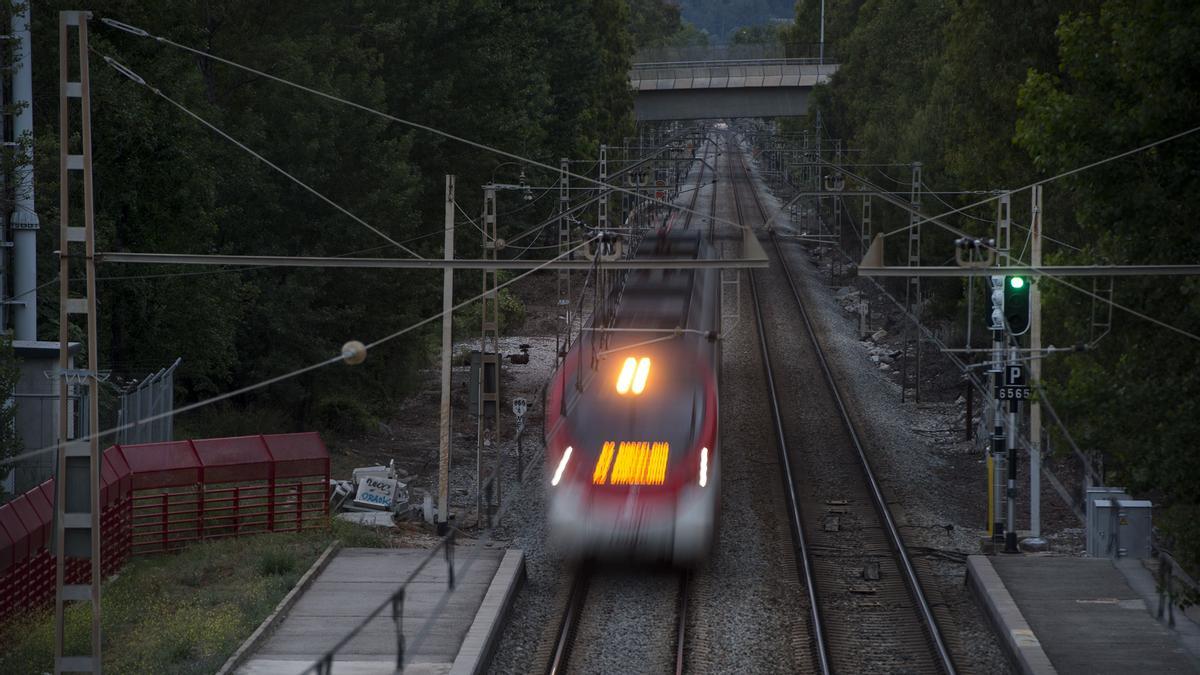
10	440
1129	74
756	35
537	78
659	23
987	96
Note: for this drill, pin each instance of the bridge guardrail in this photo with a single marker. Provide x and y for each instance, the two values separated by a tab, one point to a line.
752	52
730	75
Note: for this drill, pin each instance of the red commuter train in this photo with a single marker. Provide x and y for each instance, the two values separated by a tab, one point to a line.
632	456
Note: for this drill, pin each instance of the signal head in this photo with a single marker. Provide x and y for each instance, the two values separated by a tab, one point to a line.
1016	304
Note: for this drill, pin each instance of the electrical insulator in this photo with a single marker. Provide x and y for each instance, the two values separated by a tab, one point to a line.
997	303
997	319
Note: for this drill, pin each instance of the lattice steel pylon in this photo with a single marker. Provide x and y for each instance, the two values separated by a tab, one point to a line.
77	478
1101	324
1004	228
602	228
866	226
912	292
488	419
563	337
837	199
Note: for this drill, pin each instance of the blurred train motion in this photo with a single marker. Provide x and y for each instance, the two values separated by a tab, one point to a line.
631	417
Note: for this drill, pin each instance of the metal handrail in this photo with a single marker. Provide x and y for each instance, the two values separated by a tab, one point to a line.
806	61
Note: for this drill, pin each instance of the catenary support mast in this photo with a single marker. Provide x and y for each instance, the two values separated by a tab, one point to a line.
1035	370
444	450
77	484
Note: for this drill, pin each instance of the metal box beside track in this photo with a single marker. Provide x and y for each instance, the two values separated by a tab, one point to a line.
1098	531
1123	528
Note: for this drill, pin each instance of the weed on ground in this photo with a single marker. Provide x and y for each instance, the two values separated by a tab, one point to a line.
184	612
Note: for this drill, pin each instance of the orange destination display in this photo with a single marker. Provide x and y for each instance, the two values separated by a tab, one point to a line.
634	463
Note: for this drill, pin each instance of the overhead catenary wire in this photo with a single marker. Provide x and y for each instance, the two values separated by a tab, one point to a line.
252	268
32	290
1059	176
1060	242
135	78
927	191
936	221
133	30
262	384
530	202
417	125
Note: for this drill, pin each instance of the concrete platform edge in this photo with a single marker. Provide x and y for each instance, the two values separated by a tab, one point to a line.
475	654
1023	647
268	624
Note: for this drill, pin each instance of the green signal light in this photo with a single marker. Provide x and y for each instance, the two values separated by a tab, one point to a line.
1017	282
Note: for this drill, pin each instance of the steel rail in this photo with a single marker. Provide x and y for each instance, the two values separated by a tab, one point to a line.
685	579
570	621
567	627
800	541
897	542
685	576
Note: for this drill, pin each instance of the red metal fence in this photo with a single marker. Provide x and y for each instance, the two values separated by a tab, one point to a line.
158	497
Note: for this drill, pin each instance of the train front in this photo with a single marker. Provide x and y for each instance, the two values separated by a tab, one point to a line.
632	456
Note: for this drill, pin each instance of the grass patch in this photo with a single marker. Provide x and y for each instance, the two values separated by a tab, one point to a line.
185	612
358	536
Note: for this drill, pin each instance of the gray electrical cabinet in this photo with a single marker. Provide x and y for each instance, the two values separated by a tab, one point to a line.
1122	529
1098	532
1133	528
1101	539
490	383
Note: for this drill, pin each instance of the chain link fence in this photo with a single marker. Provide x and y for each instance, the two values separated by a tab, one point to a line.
143	411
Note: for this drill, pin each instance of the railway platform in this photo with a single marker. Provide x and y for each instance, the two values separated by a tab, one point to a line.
1060	614
443	631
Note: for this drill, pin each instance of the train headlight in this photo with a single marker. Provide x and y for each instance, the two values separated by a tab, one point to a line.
639	378
562	465
633	376
703	467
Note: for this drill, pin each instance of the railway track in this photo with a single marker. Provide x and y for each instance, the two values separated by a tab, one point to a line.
591	587
868	611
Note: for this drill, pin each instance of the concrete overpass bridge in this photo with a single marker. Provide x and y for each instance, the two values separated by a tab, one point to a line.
707	83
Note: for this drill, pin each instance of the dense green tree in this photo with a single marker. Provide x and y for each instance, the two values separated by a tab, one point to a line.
988	97
1129	74
10	441
658	23
653	22
756	35
536	78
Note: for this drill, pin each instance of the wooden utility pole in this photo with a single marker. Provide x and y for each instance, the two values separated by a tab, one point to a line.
444	450
77	479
